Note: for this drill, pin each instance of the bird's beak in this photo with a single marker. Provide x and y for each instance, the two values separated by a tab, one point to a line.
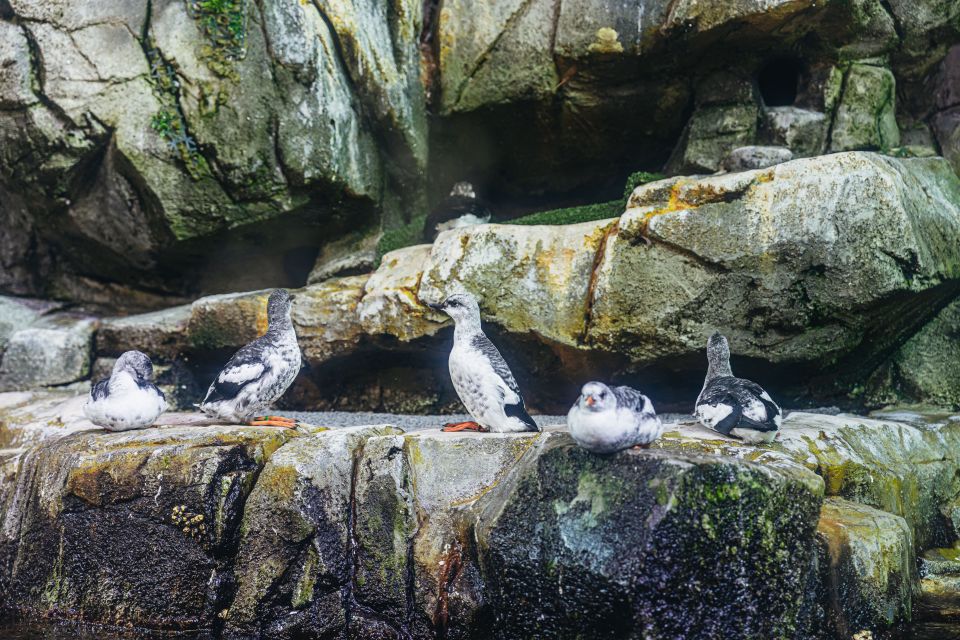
590	401
436	306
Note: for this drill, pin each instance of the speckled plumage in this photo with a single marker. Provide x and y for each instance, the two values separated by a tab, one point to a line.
480	375
734	406
605	420
128	399
260	373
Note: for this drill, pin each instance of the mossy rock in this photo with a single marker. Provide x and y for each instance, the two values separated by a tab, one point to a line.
675	545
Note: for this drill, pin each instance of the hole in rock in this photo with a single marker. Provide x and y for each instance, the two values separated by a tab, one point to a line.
779	81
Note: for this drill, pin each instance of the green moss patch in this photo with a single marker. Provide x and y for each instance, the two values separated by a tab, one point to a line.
224	23
638	178
169	122
405	236
573	215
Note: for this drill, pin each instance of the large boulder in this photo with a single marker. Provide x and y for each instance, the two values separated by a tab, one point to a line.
55	350
797	264
714	546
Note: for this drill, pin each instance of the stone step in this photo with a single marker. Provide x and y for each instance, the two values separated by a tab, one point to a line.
939	597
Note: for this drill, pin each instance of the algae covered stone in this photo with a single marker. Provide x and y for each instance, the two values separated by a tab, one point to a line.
296	545
98	513
868	567
715	546
866	115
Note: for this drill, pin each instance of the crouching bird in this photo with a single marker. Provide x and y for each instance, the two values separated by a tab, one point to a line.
606	420
462	208
258	374
128	399
480	375
734	406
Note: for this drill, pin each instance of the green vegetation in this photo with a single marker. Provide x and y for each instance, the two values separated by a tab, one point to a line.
405	236
224	23
169	122
412	233
638	178
573	215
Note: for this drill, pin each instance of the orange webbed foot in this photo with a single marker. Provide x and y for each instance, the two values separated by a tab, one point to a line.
463	426
273	421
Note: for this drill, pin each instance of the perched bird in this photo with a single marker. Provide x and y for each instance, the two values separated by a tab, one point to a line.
734	406
461	208
606	420
480	375
128	399
259	373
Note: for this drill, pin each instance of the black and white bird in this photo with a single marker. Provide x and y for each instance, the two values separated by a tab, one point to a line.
128	399
258	374
480	375
462	208
606	420
735	406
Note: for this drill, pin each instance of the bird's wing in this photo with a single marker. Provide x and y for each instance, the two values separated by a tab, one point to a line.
244	367
741	396
759	409
513	405
629	398
100	390
481	343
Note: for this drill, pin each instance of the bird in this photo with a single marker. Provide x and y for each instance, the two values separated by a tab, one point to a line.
461	208
258	374
605	420
734	406
480	375
128	399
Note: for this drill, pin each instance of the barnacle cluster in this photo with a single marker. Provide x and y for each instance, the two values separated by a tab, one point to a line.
190	523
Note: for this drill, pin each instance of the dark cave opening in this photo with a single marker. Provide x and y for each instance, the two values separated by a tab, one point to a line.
778	81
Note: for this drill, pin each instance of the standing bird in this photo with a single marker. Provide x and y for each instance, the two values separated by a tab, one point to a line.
734	406
461	208
480	375
259	373
606	420
128	399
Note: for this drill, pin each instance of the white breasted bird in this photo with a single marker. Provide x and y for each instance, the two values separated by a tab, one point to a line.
128	399
480	375
258	374
606	420
462	208
735	406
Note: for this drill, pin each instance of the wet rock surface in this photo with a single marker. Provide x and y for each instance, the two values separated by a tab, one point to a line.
367	530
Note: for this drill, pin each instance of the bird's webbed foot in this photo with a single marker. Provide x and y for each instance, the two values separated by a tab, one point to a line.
464	426
273	421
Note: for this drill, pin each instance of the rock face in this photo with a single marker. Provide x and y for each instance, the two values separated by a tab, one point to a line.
373	532
145	142
40	346
182	119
